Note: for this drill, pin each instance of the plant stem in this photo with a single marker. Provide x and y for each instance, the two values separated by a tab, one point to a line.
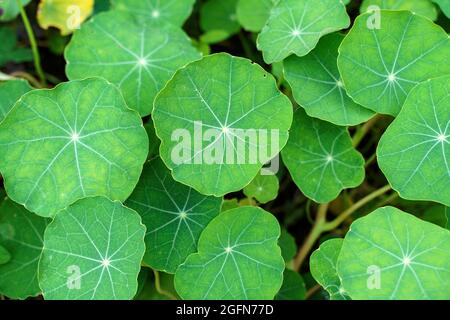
371	159
363	130
161	290
25	75
34	48
347	213
312	291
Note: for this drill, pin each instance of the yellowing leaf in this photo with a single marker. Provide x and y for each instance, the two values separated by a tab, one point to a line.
66	15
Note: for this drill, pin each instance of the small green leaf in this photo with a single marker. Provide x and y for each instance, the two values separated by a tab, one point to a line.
321	158
238	258
92	251
9	52
253	14
21	233
323	263
10	92
295	27
287	245
219	15
230	204
263	188
414	152
390	254
139	58
444	5
380	64
422	7
5	256
211	104
10	9
293	287
174	214
157	11
318	88
214	36
76	140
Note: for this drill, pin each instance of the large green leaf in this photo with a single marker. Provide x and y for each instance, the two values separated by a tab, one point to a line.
323	263
21	234
393	255
92	250
263	188
9	51
10	92
77	140
137	57
293	287
414	152
10	9
422	7
444	5
380	66
174	214
238	258
203	115
295	27
5	256
219	15
157	11
253	14
321	158
318	88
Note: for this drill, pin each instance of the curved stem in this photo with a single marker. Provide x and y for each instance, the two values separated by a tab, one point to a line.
363	130
161	290
34	47
28	77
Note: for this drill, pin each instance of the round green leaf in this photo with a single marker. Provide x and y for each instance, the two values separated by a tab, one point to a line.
137	57
287	245
380	66
205	116
263	188
10	9
21	234
157	11
293	287
77	140
253	14
323	263
444	5
5	256
295	27
321	158
393	255
92	250
238	258
219	15
174	214
414	152
318	88
422	7
10	92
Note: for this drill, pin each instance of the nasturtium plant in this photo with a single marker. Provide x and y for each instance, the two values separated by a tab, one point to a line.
137	57
92	250
321	158
295	27
21	234
232	260
318	88
174	214
224	149
387	53
77	140
414	153
391	254
235	114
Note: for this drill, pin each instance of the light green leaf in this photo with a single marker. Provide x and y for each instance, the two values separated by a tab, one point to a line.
253	14
92	251
263	188
287	245
157	11
10	92
219	15
174	214
293	287
238	258
77	140
318	88
295	27
138	58
10	9
379	67
422	7
323	263
414	152
393	255
444	5
9	51
21	234
210	105
5	256
321	158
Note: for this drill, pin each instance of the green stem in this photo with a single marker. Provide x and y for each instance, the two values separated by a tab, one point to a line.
25	75
34	47
363	130
161	290
370	160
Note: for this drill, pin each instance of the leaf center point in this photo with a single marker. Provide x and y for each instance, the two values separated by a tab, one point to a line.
75	137
156	13
406	261
106	263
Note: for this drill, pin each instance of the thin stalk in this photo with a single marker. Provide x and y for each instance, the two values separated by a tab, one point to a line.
161	290
33	43
25	75
363	130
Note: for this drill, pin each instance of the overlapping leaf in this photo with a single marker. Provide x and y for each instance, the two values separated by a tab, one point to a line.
263	188
293	287
422	7
253	14
219	15
444	5
10	92
9	51
10	9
